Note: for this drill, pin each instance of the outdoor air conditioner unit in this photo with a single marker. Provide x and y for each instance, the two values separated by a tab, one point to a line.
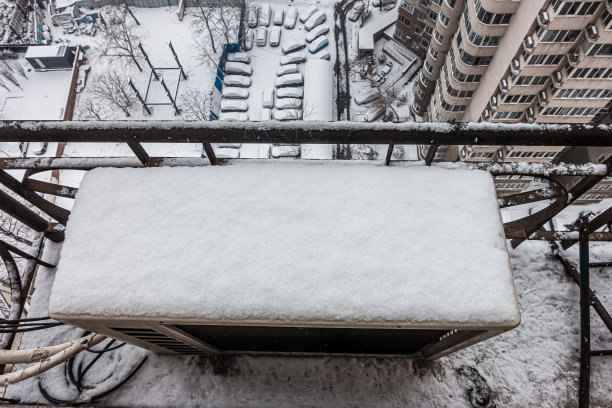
486	114
557	78
494	104
530	115
573	57
150	259
503	86
543	19
592	32
515	66
528	44
543	98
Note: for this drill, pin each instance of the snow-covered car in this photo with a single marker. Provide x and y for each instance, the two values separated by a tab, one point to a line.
377	3
323	54
317	31
284	150
289	80
355	12
387	68
234	116
288	103
248	40
234	92
264	15
234	105
253	19
243	57
291	18
229	145
290	92
279	16
267	98
227	153
287	69
275	35
237	80
293	58
293	46
316	19
309	12
318	44
261	36
367	97
266	114
373	114
237	68
288	114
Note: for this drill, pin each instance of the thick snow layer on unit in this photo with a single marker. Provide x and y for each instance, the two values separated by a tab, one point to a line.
287	242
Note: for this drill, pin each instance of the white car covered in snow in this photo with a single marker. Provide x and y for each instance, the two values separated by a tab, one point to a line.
266	114
265	13
293	46
237	68
234	105
261	36
320	30
275	35
377	3
227	153
243	57
291	18
323	54
289	80
234	117
288	103
367	97
237	80
287	69
293	58
373	114
316	19
248	40
288	114
318	44
284	150
290	92
279	16
267	98
253	18
309	12
234	92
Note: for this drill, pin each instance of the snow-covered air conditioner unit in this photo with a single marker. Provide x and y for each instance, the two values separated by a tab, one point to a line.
528	44
592	32
573	57
486	114
543	98
543	19
530	113
515	66
557	78
503	86
229	260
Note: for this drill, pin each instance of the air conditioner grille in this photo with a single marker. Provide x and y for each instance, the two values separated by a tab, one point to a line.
158	339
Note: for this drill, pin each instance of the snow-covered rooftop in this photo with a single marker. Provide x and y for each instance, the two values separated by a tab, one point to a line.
376	23
288	242
42	51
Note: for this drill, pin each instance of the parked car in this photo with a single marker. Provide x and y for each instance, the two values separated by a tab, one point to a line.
237	80
291	18
309	12
234	116
238	68
355	12
267	98
377	3
261	36
266	114
284	150
243	57
294	92
275	35
264	15
253	18
317	31
293	58
293	46
234	92
248	40
381	58
288	103
316	19
234	105
288	114
287	69
318	44
279	16
289	80
387	68
323	54
227	153
368	97
373	114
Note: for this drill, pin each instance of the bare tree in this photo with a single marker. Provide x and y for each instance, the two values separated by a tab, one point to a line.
6	72
214	26
127	9
203	22
89	109
386	99
196	104
113	87
16	67
121	38
13	229
4	85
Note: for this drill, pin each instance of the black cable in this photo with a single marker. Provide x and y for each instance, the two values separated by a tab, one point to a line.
4	326
104	351
31	319
79	383
42	327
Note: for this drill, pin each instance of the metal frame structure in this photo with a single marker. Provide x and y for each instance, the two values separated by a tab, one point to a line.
560	194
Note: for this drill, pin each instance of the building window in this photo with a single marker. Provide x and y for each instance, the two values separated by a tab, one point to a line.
477	39
451	3
486	17
529	80
421	16
552	36
439	38
407	7
443	19
575	8
543	59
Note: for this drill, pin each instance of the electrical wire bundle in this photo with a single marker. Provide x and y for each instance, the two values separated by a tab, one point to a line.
27	325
